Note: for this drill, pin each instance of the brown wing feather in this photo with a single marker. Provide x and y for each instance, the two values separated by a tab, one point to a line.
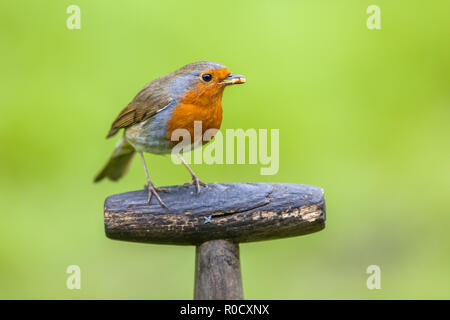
147	103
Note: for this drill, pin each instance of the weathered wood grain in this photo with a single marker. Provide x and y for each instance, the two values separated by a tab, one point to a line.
217	271
239	212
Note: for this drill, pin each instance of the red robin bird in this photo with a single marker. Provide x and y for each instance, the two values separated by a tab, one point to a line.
171	102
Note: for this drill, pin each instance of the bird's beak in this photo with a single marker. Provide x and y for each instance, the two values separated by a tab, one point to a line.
233	79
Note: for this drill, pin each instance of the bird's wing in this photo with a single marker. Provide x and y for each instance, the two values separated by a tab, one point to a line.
147	103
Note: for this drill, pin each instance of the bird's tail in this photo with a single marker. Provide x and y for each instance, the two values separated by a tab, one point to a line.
118	163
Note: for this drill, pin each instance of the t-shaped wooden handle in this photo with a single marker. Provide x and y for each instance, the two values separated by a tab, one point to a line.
216	221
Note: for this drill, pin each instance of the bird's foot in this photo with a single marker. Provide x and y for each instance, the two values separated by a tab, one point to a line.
154	191
195	181
157	189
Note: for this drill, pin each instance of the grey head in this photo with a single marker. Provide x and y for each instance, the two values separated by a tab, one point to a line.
187	76
198	67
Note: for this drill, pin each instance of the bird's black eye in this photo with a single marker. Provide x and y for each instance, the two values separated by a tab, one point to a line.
207	77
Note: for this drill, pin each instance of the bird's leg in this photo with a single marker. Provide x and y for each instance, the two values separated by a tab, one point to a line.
150	187
195	180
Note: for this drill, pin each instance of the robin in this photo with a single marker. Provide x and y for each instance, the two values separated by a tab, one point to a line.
174	101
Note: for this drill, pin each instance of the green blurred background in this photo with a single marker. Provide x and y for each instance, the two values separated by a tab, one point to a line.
362	113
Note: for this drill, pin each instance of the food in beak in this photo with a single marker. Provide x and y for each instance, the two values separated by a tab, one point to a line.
234	79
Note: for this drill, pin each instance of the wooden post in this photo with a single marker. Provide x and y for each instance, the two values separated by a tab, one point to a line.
216	221
217	271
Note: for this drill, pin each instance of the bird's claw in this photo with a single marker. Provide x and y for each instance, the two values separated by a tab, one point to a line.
195	181
157	189
153	191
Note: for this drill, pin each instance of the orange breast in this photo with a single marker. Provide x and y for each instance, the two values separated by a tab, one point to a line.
205	107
